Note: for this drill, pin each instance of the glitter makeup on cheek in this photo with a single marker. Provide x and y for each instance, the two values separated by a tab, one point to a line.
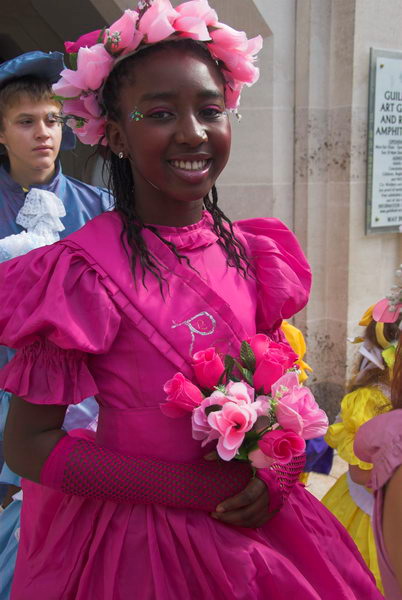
136	115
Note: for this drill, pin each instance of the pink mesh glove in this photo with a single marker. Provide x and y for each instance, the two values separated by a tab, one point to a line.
280	480
82	468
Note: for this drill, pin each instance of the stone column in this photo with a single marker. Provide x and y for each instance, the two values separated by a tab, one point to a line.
351	270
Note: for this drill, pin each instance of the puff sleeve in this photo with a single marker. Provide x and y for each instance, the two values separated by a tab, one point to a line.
380	442
357	408
55	311
282	271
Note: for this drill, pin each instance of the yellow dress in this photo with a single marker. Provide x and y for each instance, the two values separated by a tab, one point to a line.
349	502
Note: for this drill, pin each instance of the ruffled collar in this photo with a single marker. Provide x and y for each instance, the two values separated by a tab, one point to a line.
190	237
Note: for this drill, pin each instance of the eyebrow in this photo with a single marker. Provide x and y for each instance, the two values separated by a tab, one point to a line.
171	95
50	112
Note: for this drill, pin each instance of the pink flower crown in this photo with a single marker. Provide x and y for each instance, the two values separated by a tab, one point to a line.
389	309
95	55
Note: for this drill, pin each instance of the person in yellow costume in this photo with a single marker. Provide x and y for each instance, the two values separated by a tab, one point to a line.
318	454
369	395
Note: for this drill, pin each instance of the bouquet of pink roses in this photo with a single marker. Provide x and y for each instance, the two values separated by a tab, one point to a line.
253	405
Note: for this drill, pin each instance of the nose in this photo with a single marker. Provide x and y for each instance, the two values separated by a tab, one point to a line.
41	129
190	132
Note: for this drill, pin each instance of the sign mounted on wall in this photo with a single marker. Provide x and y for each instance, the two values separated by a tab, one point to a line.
384	156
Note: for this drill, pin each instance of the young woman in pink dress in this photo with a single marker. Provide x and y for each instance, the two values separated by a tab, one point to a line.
119	307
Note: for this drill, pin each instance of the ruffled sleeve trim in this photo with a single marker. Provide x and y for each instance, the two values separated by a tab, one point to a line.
380	441
357	408
56	311
42	373
282	271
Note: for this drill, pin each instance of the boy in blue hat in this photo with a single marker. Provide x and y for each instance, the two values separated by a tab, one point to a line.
38	205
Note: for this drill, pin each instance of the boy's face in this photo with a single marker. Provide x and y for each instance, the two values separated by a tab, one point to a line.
31	133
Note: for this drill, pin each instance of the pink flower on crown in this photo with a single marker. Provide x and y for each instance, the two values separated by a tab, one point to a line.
86	40
123	35
157	21
194	19
236	52
87	108
93	66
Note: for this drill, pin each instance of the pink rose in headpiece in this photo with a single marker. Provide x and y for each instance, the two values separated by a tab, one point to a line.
157	21
237	52
123	35
383	312
86	40
194	19
92	133
93	66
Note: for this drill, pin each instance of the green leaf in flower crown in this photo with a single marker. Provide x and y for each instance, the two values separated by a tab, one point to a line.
72	59
247	356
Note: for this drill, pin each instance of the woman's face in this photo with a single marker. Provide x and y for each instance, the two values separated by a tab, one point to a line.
181	140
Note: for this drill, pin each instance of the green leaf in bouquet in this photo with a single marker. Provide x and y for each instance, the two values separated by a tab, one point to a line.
242	453
246	373
247	356
213	408
229	364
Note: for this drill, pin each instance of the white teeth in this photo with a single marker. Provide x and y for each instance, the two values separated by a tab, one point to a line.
194	165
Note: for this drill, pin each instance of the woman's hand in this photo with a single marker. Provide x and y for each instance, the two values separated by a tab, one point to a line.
249	508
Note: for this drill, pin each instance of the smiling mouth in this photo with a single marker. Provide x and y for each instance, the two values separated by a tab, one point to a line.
189	165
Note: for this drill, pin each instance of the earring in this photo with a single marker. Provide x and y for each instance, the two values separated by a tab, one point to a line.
121	155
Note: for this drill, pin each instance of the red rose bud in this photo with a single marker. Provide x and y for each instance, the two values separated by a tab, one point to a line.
208	368
182	396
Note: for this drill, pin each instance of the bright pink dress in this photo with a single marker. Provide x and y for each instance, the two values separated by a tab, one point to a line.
379	441
84	327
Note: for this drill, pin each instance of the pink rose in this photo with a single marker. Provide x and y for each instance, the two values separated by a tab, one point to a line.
281	445
182	396
198	9
86	40
262	345
208	368
194	19
201	429
237	52
240	392
259	344
157	21
267	372
93	66
232	423
123	35
297	409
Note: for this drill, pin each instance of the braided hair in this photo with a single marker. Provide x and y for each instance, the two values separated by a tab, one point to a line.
121	182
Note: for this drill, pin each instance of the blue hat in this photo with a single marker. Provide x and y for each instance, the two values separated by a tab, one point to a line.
43	65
